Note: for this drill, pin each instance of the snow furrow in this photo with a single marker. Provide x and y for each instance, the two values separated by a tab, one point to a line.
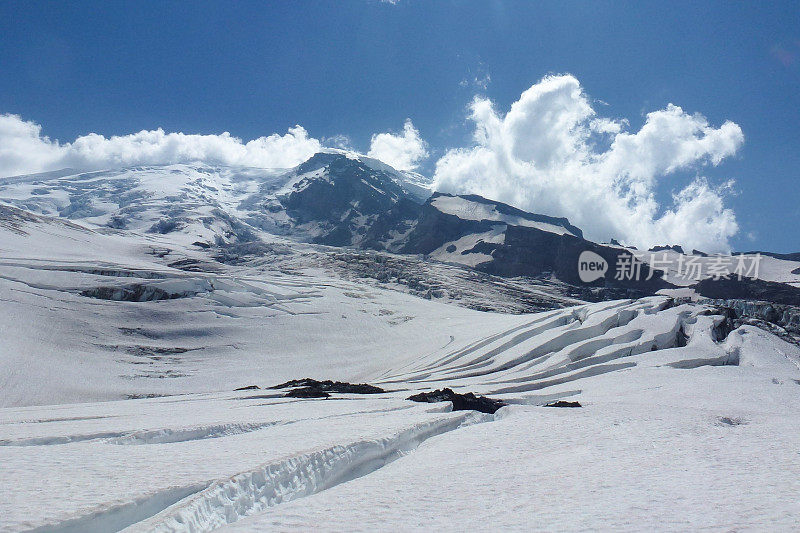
253	491
123	515
154	436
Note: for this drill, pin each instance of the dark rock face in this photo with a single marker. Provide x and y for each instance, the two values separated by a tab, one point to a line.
674	248
563	403
249	387
505	209
434	228
346	201
529	251
311	388
698	252
461	402
796	271
307	392
400	219
730	287
526	251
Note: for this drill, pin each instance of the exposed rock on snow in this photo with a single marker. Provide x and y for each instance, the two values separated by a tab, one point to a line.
311	388
261	299
307	392
461	402
785	257
563	403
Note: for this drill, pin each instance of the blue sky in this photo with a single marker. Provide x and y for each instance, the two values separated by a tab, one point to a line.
359	68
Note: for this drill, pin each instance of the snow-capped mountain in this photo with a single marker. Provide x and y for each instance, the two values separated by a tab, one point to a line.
497	238
344	199
337	199
148	315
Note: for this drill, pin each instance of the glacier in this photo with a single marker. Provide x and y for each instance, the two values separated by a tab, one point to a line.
136	301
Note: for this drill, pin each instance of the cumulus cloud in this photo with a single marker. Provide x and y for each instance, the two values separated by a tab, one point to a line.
402	151
24	150
551	153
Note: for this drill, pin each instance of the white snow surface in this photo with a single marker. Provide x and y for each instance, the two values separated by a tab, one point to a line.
122	415
470	210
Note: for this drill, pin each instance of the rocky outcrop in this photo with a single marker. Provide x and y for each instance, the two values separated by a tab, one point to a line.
434	229
529	247
530	251
563	403
733	288
311	388
786	316
344	198
461	402
674	248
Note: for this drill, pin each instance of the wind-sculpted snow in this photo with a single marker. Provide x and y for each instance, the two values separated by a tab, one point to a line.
136	302
247	455
152	436
568	345
254	491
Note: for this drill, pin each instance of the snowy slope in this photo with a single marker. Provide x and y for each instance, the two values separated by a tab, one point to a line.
135	301
705	418
471	208
101	314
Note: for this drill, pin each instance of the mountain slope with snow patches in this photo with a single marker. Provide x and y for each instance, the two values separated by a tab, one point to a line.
147	314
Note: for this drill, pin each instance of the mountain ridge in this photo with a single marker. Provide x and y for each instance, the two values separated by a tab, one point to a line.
334	198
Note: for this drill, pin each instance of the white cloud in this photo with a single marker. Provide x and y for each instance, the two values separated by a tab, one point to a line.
24	150
340	141
551	153
481	82
402	151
